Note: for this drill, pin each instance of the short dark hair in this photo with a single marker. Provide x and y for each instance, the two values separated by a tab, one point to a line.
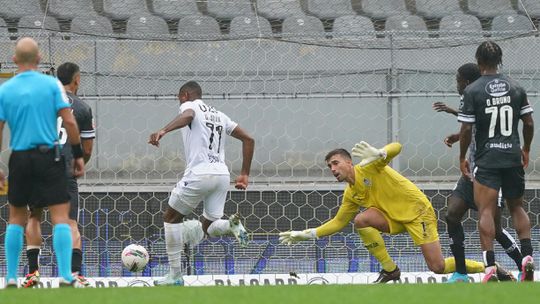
66	72
339	151
489	54
469	72
192	87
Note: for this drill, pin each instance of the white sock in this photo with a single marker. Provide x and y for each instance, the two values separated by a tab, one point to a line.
192	232
174	245
219	228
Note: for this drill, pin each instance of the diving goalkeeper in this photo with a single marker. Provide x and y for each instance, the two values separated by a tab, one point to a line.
393	204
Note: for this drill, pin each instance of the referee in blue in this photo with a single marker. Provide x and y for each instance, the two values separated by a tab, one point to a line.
30	103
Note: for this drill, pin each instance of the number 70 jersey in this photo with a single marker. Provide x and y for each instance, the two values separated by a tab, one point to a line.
204	139
495	104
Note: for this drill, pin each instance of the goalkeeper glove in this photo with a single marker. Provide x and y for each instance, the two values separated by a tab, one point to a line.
367	153
290	237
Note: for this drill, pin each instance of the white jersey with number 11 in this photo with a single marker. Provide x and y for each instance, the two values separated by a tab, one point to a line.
204	139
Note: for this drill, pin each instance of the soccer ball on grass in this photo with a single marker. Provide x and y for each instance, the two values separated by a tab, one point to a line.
135	257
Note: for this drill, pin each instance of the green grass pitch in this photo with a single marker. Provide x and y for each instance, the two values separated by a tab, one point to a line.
518	293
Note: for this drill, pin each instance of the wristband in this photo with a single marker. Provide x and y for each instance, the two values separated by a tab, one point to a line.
76	150
312	233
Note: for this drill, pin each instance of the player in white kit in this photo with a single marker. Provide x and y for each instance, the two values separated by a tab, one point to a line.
206	177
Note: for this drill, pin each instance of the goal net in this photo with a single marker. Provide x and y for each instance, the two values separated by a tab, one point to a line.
303	77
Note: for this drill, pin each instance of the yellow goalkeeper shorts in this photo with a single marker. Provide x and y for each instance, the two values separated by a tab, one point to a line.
423	229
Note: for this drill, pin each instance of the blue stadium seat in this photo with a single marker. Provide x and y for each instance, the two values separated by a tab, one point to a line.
490	8
358	26
302	27
123	9
198	28
437	8
29	25
532	7
174	10
511	25
250	27
11	9
229	9
460	25
406	26
69	9
272	9
381	9
146	26
93	25
325	9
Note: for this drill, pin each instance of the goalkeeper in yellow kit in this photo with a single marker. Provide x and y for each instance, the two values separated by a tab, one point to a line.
393	204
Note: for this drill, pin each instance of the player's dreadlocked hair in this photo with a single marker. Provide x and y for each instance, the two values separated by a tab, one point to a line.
469	72
489	54
193	88
340	151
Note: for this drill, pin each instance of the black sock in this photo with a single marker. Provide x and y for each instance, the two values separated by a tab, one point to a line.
458	250
526	247
455	232
489	258
76	260
33	259
510	247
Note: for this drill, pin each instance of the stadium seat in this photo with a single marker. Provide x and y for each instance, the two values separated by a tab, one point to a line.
69	9
198	28
531	6
437	8
460	25
510	25
229	9
146	26
490	8
410	26
381	9
358	26
302	27
272	9
11	9
93	25
174	10
123	9
325	9
29	25
250	27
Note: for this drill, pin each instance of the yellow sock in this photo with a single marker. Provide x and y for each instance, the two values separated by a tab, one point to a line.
471	265
474	266
374	243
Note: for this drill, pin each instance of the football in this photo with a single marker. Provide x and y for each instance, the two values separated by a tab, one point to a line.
135	257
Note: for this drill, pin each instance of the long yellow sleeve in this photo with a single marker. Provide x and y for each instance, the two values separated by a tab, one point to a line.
392	150
345	214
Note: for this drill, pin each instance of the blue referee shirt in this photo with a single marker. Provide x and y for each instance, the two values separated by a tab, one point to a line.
29	103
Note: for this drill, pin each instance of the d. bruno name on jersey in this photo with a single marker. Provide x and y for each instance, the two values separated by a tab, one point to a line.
497	101
495	104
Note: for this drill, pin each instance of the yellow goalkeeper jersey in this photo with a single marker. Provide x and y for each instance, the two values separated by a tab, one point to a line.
379	186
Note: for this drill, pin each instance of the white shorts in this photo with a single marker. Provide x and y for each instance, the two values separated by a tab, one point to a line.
191	190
